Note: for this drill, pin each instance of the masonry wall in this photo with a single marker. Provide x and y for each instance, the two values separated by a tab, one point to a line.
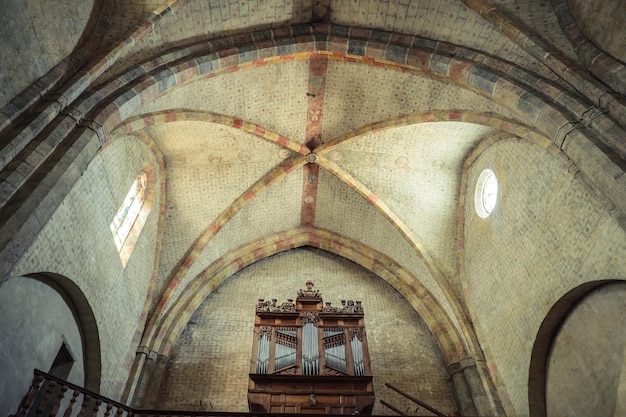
588	352
77	243
29	304
547	235
603	23
36	36
210	365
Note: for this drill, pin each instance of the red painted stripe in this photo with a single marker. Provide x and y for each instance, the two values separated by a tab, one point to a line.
313	137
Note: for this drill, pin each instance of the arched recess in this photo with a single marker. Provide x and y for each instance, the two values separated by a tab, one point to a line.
84	317
398	356
464	192
165	329
46	323
546	335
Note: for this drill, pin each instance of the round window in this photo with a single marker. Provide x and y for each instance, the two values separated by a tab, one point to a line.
486	194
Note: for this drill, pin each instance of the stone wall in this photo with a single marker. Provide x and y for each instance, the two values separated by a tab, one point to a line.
604	23
547	235
210	365
77	243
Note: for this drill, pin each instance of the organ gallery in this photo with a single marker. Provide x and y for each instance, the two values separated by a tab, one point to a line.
310	357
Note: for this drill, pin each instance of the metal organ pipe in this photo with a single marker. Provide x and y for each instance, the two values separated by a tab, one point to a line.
280	356
357	356
310	357
336	357
335	349
263	356
285	354
310	350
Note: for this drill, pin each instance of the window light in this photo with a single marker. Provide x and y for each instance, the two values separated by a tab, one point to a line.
486	193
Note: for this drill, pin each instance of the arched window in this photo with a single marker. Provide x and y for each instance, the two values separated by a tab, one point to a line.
130	218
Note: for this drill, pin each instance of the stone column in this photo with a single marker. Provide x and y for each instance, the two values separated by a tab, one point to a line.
469	390
461	390
152	375
475	384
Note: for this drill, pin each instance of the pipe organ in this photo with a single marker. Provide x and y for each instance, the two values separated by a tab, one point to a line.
310	357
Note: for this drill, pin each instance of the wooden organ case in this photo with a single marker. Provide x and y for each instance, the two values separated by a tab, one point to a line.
310	358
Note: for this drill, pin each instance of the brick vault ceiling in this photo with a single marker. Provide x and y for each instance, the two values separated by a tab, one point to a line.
442	20
412	172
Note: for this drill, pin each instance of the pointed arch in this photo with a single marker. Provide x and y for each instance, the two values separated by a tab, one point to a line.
165	329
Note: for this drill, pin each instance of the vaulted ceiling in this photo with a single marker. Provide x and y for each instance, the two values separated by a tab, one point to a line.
302	139
343	124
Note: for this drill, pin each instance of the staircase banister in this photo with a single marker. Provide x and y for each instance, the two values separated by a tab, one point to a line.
83	391
415	400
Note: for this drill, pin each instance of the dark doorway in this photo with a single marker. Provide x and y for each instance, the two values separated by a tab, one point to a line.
63	362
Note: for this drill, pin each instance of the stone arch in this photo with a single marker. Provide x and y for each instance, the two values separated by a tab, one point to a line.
164	330
85	319
59	65
142	121
504	83
389	345
453	115
533	106
600	63
543	343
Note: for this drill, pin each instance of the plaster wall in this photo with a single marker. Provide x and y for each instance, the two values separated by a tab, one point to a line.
216	345
35	321
588	351
77	243
547	235
36	36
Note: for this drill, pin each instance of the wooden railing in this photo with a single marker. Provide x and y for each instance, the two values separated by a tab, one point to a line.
52	397
415	400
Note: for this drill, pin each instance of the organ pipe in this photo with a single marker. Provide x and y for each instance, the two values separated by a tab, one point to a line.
263	356
357	356
286	343
310	350
309	337
335	348
310	357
